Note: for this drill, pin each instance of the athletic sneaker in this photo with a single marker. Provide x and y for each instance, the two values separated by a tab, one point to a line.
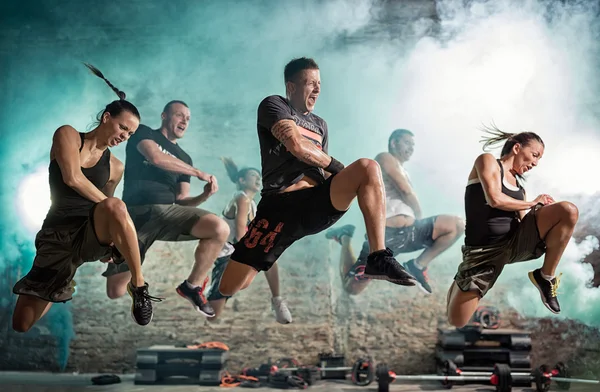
196	297
381	265
282	313
420	275
141	308
336	234
548	289
357	271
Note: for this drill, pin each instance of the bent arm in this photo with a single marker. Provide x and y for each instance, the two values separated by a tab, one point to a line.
489	176
149	149
287	133
390	167
65	145
241	216
182	198
116	174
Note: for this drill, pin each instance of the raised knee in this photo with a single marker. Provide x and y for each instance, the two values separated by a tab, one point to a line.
20	325
115	292
222	230
369	167
219	228
450	226
115	207
570	210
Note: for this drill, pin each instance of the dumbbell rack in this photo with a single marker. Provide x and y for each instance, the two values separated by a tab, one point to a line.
180	365
478	350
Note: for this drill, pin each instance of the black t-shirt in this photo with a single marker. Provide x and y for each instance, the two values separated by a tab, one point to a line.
280	168
147	184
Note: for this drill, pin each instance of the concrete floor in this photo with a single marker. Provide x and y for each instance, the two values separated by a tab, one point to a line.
48	382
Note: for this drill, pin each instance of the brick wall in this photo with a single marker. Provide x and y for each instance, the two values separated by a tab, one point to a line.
394	324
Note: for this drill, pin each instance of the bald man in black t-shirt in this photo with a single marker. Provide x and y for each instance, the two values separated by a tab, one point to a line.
156	191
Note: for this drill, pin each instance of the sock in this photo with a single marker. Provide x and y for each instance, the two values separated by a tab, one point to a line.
278	298
190	286
548	278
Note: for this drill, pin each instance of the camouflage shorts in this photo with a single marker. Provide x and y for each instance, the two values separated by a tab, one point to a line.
482	265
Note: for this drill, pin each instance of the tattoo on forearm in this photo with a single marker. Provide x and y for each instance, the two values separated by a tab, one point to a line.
315	157
283	131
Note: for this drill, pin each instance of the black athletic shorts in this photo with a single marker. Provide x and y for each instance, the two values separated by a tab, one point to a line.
282	219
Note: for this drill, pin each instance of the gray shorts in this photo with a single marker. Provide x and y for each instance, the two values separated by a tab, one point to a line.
59	252
406	239
482	265
159	222
412	238
217	273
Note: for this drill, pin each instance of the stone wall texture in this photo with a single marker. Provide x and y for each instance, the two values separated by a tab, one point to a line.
390	323
393	324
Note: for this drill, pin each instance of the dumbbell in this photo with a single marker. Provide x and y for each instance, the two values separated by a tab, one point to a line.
542	376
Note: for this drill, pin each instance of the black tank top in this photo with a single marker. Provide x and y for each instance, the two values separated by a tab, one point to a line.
486	225
69	207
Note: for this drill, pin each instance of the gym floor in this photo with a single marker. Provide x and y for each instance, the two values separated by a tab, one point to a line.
48	382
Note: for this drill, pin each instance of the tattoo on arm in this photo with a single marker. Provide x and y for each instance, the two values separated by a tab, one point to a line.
283	131
316	158
302	148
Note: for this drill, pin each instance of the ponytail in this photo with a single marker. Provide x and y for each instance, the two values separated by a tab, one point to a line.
115	107
232	169
99	74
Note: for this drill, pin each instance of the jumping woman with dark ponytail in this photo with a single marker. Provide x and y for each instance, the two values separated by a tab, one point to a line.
85	222
500	230
238	213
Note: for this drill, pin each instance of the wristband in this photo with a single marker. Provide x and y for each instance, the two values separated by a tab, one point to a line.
334	166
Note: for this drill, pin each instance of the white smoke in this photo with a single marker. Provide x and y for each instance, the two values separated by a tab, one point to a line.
524	67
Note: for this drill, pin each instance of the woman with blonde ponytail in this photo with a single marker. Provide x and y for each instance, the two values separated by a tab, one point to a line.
238	213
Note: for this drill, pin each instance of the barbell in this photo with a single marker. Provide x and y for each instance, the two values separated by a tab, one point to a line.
542	376
501	377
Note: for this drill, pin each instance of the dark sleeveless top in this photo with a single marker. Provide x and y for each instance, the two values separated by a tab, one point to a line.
68	207
486	225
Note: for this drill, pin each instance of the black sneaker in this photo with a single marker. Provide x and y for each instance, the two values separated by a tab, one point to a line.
381	265
547	288
420	275
196	297
336	234
141	308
